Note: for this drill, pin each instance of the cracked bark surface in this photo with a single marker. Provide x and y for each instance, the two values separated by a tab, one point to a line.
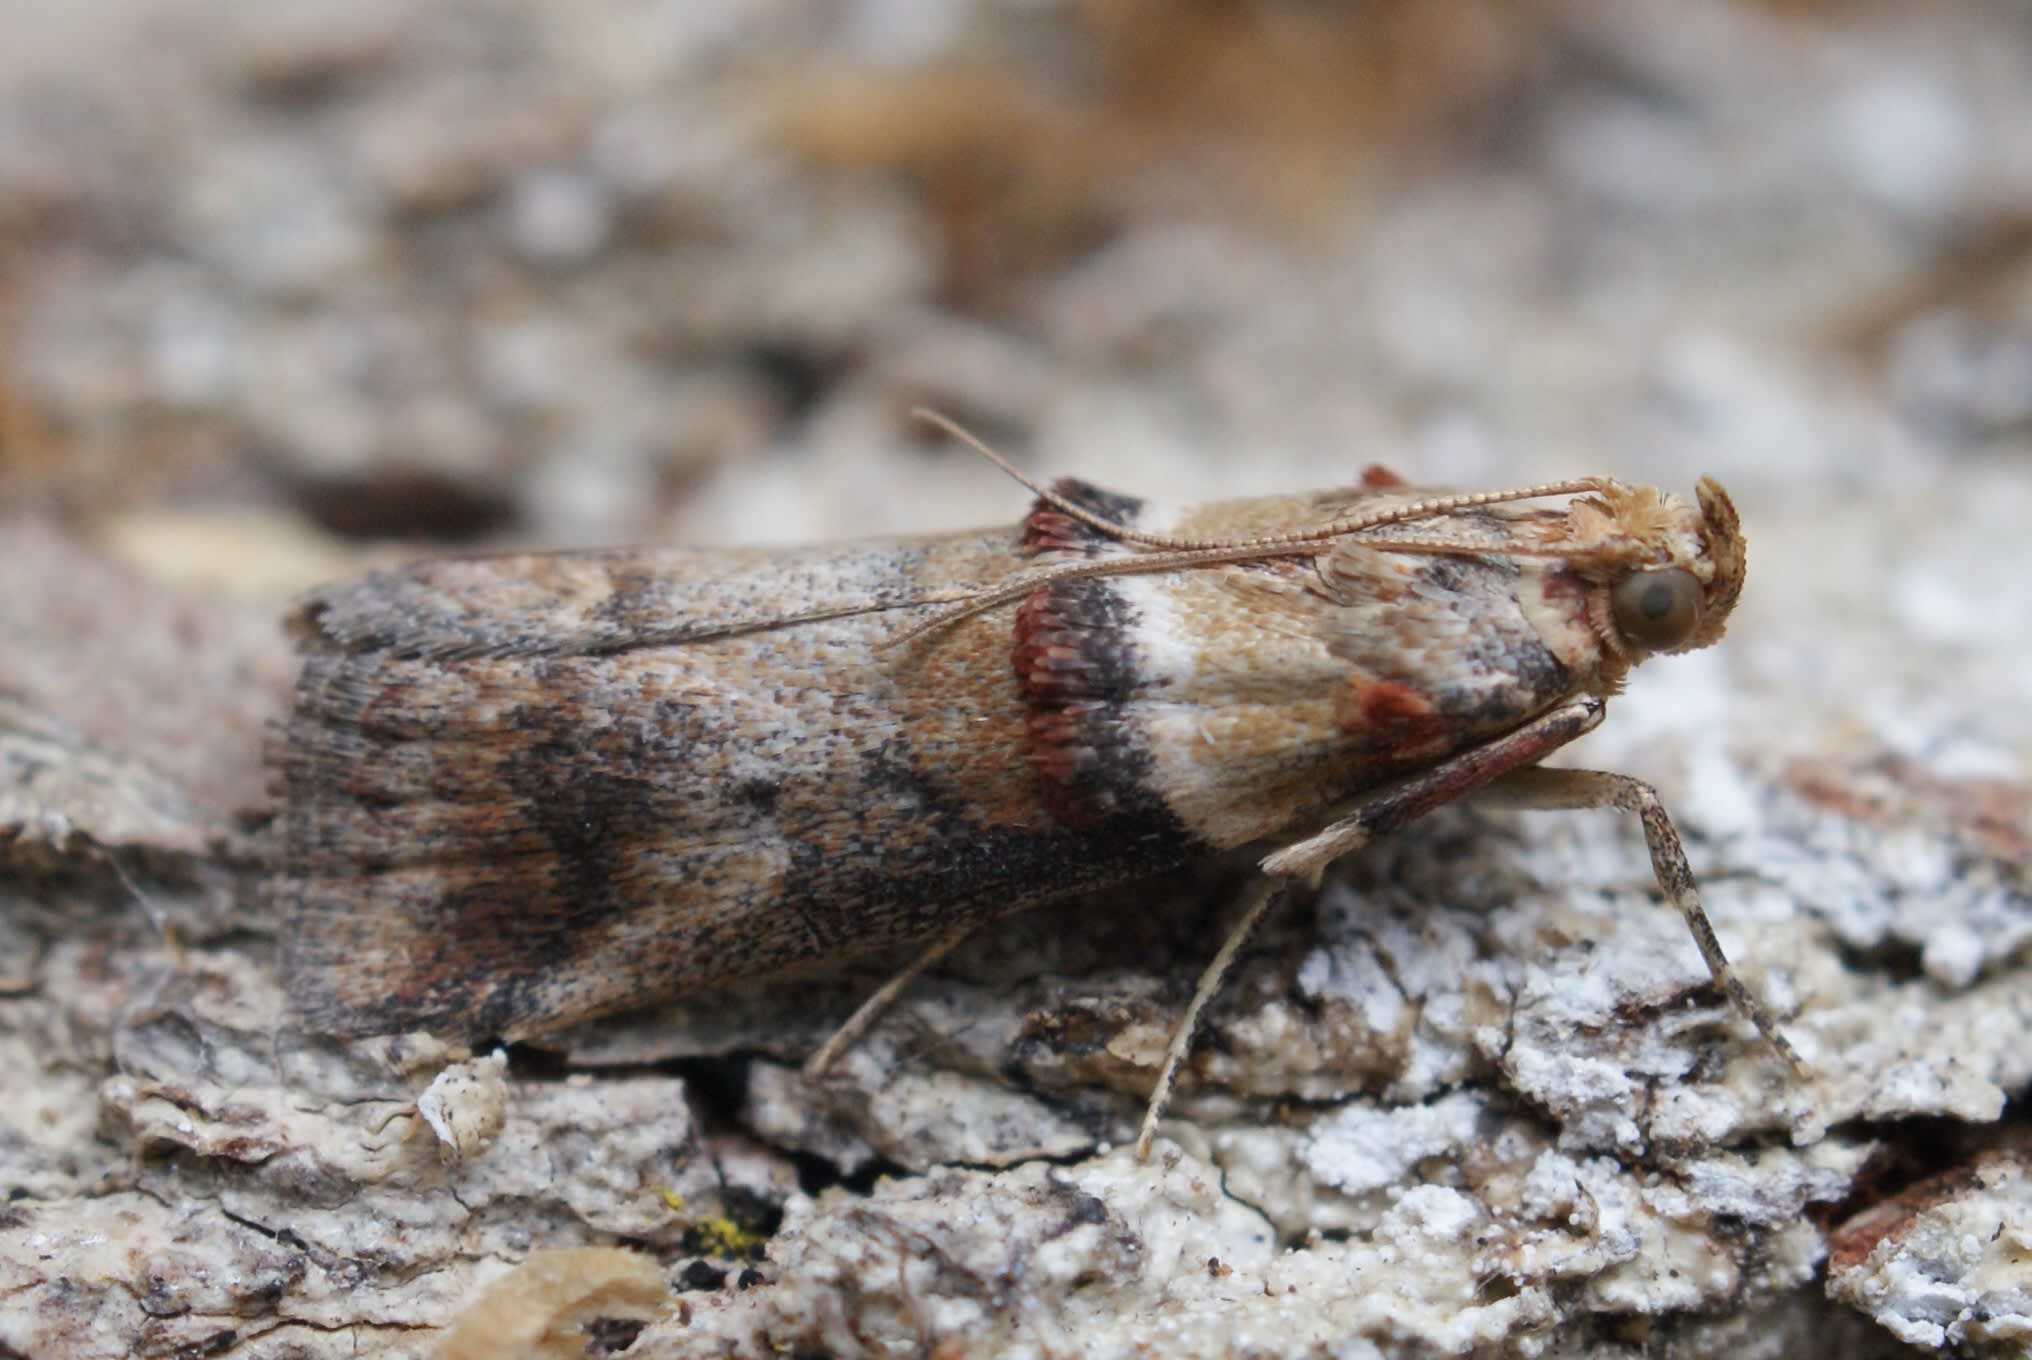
1476	1098
1479	1097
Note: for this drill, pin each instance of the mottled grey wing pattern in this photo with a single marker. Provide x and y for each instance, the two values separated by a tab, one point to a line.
522	792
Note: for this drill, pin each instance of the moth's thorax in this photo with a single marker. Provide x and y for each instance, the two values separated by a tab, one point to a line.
1253	695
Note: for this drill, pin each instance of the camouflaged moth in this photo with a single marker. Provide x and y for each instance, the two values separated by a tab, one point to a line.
525	790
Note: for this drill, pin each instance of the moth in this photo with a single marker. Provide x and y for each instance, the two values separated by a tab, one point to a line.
525	790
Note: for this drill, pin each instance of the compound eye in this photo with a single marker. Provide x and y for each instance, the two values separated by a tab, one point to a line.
1657	610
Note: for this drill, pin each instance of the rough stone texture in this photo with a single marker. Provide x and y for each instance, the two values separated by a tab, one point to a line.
511	271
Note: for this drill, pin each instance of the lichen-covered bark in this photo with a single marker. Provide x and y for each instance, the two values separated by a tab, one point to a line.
1477	1097
509	273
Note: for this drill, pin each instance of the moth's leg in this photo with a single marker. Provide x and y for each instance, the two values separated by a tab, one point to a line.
869	1011
1543	789
1449	781
1445	782
1267	893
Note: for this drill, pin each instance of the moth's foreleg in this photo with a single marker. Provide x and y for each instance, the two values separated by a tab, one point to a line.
1447	782
1378	815
1550	789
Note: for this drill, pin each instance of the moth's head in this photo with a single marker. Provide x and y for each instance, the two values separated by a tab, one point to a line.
1660	575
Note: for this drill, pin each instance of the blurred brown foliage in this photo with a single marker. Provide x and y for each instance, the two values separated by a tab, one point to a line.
1152	106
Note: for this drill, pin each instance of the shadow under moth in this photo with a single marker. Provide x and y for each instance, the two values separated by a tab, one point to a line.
525	790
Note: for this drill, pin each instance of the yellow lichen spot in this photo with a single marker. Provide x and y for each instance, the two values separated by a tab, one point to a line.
722	1236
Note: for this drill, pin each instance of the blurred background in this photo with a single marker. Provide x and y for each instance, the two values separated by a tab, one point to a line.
286	285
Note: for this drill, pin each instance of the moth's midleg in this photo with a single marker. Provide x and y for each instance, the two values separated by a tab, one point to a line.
1269	893
1378	815
869	1011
